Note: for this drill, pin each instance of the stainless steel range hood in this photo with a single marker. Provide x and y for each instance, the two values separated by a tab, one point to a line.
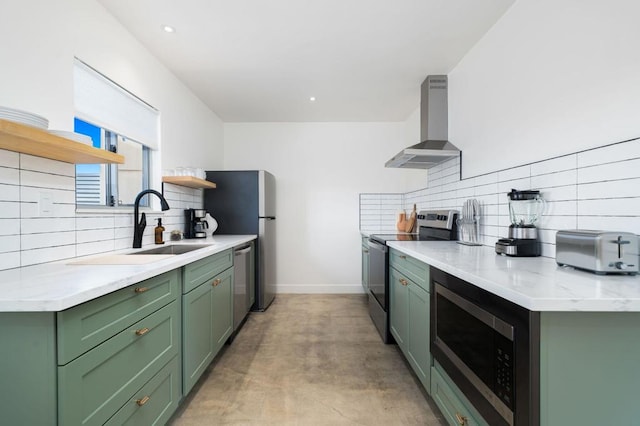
434	124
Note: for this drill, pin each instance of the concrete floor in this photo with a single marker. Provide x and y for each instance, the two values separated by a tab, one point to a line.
309	360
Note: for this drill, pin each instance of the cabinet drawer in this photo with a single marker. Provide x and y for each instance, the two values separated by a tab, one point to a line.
450	402
416	271
94	386
155	402
85	326
205	269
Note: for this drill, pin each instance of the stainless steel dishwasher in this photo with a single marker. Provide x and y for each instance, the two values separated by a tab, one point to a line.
241	283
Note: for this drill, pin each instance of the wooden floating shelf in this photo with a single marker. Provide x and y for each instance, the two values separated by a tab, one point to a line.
33	141
189	181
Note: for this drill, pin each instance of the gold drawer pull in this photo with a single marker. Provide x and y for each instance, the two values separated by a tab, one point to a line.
216	282
142	331
403	257
462	420
403	281
142	401
365	251
141	289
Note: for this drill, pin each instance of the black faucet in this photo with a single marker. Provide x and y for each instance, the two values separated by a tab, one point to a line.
138	227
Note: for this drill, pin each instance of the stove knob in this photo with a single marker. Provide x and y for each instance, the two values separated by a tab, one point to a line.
621	265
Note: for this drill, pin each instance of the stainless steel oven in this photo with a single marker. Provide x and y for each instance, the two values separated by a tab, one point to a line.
433	225
489	347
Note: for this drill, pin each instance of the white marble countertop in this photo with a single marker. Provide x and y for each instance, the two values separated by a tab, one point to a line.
536	283
61	285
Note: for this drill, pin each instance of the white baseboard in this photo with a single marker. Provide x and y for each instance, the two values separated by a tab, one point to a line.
319	289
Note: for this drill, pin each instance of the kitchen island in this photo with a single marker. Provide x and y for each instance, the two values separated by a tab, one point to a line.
588	330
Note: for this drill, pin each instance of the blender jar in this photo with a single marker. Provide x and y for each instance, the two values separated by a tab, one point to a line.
525	207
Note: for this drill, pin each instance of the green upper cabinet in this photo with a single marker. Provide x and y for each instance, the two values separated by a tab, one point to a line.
409	311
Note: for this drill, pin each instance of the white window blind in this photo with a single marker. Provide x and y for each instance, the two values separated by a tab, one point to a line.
104	103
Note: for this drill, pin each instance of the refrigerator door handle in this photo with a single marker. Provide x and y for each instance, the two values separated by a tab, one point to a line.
267	217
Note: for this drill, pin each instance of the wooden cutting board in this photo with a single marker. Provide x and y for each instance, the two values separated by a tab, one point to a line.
402	222
411	222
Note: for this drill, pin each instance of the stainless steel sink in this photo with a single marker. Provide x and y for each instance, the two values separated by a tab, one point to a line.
173	249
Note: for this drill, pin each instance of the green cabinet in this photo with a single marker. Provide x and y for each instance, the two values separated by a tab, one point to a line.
207	320
409	311
365	264
455	407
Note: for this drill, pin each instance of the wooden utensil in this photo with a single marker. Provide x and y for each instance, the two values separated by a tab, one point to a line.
402	222
411	222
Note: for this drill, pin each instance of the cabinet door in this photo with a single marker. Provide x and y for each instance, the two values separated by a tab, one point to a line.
418	352
252	276
398	307
197	334
222	305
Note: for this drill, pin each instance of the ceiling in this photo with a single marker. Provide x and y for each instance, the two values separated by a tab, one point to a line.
261	61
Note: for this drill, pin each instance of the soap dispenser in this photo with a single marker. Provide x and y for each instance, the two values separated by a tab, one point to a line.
158	232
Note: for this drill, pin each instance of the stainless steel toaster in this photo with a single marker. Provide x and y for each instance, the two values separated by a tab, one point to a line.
602	252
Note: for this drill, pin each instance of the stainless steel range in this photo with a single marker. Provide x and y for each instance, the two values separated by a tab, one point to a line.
433	225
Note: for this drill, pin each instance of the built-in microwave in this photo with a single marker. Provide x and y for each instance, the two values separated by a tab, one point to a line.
489	348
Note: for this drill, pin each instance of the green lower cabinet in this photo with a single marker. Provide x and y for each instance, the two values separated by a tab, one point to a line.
97	384
455	408
409	323
155	402
398	307
206	326
28	382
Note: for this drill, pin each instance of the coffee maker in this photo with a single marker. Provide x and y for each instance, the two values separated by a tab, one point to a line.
195	225
525	208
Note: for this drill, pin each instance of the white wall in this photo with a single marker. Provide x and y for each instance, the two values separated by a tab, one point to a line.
320	169
550	78
41	39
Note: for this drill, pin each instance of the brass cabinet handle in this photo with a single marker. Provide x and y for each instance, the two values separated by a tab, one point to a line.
403	257
403	281
142	401
142	331
216	282
365	251
141	289
462	420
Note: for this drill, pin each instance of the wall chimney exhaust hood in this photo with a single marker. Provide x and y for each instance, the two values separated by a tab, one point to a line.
434	128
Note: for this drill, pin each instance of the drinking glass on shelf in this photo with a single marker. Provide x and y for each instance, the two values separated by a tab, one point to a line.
180	171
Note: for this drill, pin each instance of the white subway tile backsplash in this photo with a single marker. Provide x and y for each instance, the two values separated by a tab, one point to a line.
39	164
9	209
46	180
10	226
31	236
610	223
10	260
559	193
9	176
514	173
504	187
610	189
9	192
550	180
94	235
610	207
554	165
610	171
49	254
9	243
45	225
9	159
34	241
610	153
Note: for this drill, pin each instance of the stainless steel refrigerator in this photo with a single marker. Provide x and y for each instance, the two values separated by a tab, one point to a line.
244	203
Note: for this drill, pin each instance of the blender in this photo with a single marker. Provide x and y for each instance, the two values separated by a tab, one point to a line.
525	208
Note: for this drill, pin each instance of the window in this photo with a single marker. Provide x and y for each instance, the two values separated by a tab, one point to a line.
111	184
118	121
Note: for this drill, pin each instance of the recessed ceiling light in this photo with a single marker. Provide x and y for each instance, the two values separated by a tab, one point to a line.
312	99
168	29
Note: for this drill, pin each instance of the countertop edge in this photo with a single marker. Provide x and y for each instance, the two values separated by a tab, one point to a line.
514	279
58	284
